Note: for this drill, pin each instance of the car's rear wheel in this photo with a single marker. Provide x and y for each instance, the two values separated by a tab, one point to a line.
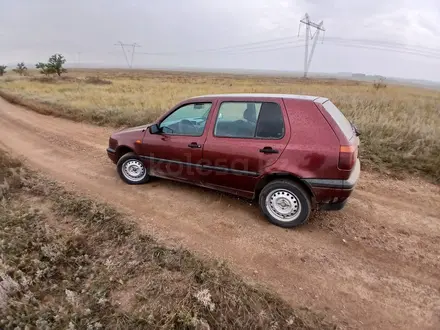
132	170
285	203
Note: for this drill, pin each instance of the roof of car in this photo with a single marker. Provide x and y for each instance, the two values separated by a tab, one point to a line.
266	95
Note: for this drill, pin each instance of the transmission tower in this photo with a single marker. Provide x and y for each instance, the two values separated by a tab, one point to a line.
318	27
79	59
133	49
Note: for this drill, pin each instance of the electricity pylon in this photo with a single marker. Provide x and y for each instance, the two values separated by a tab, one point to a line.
318	28
133	46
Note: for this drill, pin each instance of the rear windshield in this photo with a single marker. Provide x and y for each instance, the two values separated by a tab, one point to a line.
339	118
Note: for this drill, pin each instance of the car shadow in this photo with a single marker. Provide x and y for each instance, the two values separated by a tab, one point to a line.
193	189
230	200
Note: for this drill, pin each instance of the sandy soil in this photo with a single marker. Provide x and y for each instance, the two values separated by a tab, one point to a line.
373	265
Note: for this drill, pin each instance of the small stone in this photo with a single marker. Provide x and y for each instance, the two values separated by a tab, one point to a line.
344	240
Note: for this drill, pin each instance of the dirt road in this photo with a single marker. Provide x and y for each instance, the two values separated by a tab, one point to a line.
374	265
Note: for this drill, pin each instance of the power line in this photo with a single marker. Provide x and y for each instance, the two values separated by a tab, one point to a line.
340	42
245	48
225	48
387	43
384	48
261	50
283	43
290	43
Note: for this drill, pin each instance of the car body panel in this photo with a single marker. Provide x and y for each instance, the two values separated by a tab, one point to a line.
170	156
311	151
125	139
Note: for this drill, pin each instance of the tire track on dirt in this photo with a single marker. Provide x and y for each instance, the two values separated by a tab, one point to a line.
373	265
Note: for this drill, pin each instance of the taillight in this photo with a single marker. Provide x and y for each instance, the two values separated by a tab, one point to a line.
347	157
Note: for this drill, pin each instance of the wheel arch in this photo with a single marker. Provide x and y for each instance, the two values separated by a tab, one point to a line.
282	175
122	150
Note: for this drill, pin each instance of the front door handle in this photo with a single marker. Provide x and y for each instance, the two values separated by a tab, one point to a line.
194	145
269	150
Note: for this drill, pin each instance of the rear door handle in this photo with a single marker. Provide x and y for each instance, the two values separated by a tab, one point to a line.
269	150
194	145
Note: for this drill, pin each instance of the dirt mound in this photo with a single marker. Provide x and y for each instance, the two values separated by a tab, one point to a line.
97	81
54	79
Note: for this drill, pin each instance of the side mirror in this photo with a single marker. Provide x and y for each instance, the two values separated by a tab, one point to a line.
154	129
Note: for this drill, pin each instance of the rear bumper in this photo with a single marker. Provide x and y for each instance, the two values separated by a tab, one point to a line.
332	206
332	194
351	182
111	153
347	184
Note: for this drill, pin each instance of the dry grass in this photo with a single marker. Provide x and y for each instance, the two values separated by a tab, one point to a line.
400	125
67	262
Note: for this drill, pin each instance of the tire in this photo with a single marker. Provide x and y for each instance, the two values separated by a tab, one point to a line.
285	203
127	166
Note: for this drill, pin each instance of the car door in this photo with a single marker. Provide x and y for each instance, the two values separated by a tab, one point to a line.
246	137
175	151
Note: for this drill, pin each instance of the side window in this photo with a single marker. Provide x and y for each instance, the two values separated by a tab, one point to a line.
270	123
237	119
262	120
190	119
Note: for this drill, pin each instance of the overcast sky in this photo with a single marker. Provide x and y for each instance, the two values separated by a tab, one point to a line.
31	30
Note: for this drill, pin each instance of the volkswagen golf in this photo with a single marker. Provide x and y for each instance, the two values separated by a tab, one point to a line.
291	153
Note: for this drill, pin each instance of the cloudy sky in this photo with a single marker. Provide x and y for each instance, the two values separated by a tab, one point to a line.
247	34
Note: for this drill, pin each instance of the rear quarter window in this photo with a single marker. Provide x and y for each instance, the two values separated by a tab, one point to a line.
343	123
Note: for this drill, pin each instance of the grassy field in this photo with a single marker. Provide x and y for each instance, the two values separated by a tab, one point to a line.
400	125
67	262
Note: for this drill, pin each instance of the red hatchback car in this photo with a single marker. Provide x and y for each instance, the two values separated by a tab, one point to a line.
292	153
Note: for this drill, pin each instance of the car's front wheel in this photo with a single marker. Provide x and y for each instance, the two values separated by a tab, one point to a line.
132	170
285	203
